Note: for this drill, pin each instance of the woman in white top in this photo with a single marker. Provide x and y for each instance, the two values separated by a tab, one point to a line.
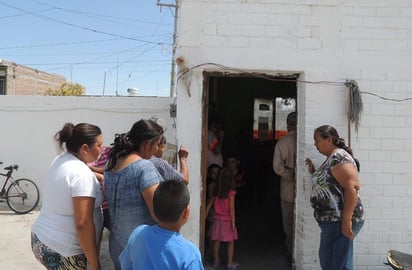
64	234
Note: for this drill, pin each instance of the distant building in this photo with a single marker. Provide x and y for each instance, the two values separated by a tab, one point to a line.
17	79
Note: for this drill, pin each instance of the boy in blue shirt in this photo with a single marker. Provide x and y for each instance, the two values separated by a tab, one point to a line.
161	246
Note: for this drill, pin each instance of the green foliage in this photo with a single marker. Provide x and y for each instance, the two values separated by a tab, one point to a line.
67	89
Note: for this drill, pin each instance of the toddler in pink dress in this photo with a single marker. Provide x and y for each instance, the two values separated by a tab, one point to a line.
224	224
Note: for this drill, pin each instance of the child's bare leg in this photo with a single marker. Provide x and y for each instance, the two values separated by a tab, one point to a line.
230	250
216	248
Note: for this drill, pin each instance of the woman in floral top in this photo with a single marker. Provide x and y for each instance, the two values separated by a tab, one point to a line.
337	206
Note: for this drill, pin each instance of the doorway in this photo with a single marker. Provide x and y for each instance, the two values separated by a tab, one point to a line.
231	99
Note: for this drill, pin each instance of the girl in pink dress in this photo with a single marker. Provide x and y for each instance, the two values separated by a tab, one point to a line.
224	225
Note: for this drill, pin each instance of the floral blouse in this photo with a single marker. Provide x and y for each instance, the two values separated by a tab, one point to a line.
327	194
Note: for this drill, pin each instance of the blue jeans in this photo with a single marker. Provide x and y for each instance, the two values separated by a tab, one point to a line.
336	250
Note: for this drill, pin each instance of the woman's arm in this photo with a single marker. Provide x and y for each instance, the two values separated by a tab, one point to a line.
99	176
96	169
85	230
148	198
184	170
347	176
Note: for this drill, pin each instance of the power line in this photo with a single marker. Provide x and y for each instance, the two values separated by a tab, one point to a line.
134	68
89	63
25	13
82	27
88	14
69	43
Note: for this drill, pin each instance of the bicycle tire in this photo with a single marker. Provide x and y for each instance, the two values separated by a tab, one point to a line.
22	196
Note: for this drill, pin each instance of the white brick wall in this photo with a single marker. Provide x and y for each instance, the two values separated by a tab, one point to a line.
369	41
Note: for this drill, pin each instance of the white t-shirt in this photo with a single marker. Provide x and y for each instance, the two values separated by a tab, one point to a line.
67	177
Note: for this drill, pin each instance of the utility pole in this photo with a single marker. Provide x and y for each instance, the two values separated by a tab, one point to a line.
71	73
117	78
104	82
172	75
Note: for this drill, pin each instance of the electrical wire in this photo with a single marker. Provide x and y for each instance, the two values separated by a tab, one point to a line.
25	13
82	27
291	79
156	39
96	15
72	43
259	75
385	98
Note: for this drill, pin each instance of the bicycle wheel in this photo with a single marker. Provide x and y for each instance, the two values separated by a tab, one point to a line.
22	196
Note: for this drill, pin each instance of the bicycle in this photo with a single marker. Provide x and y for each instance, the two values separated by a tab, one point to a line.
22	194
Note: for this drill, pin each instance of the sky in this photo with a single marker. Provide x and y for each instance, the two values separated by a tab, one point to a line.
106	46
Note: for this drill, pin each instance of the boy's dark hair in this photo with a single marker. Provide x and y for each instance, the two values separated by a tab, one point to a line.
169	200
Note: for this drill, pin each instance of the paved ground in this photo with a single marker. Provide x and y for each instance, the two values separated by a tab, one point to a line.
15	249
254	252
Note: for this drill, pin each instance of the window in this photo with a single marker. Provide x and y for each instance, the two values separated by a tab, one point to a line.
284	106
2	82
263	119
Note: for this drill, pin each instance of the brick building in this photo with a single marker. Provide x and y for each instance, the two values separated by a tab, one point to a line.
232	52
17	79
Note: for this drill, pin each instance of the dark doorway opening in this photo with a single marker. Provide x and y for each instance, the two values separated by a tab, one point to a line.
231	100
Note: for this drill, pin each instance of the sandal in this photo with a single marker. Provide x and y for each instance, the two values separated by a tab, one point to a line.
233	266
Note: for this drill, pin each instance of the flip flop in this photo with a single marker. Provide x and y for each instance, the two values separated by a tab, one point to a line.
234	266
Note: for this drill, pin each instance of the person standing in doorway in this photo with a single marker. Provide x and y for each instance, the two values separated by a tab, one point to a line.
215	137
224	224
284	161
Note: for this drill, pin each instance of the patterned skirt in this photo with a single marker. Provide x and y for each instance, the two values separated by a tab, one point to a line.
53	260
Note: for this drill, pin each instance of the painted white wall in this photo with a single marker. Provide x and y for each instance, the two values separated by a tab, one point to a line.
325	41
30	122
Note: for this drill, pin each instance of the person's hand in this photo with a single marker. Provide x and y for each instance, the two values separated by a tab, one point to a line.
346	227
183	153
233	226
311	167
